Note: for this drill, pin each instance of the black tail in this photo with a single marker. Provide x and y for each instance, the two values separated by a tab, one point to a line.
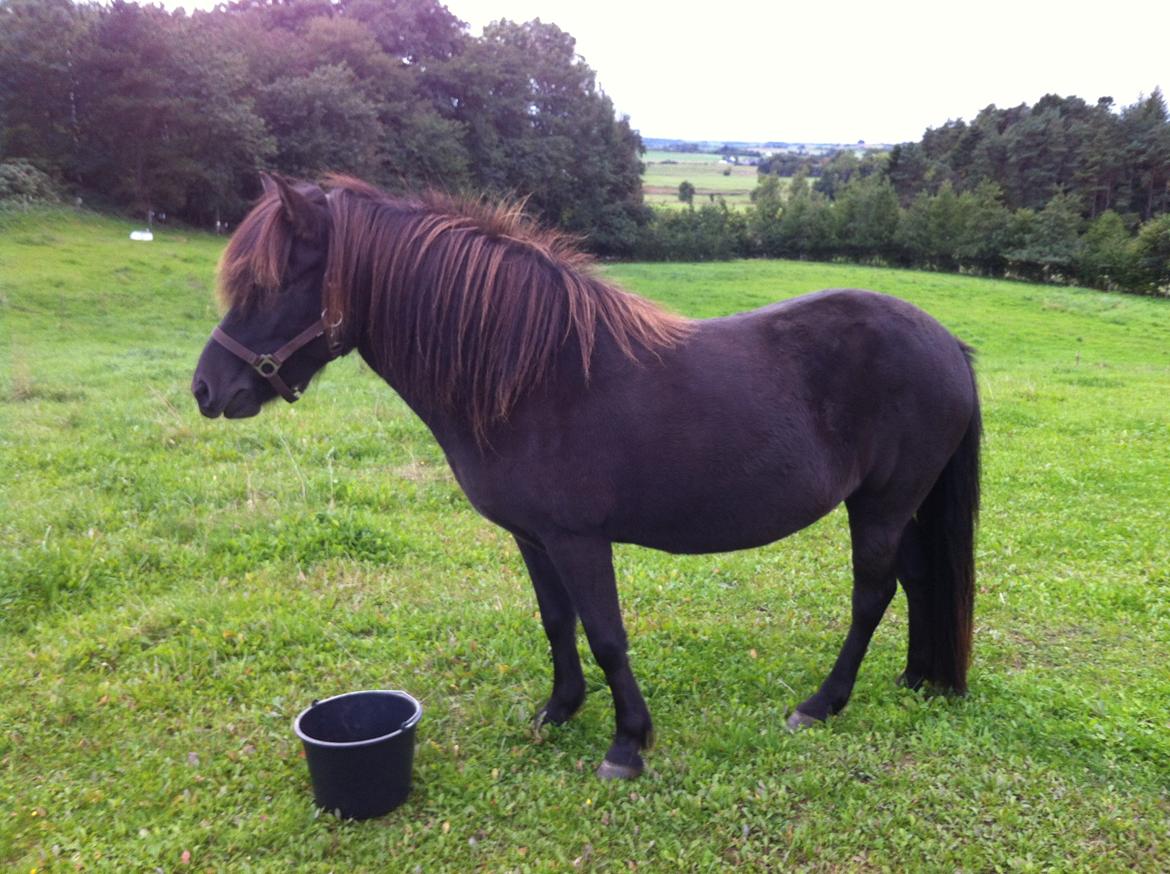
947	520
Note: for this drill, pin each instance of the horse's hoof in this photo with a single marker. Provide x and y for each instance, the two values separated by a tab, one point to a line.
555	713
799	720
608	770
910	681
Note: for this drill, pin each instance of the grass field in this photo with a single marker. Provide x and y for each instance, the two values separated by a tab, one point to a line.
174	590
666	170
660	156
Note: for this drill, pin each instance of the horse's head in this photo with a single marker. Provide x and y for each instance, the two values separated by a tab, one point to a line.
275	335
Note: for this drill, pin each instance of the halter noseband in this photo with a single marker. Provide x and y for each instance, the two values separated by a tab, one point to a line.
268	364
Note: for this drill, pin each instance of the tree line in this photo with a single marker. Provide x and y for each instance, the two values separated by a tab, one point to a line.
972	231
1062	191
142	109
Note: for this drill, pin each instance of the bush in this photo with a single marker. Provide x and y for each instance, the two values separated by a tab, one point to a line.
22	182
930	232
806	227
1051	246
1151	252
711	233
1106	257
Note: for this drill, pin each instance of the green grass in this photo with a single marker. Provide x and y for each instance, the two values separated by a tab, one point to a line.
660	156
174	590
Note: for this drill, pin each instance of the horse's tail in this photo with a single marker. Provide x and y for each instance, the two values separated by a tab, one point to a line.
947	521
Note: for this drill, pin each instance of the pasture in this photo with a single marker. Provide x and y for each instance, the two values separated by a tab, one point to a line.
666	170
174	590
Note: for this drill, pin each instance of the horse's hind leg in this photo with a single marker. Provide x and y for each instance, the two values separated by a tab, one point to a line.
559	617
875	548
913	571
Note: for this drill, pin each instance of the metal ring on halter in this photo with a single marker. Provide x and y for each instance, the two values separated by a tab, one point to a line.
335	342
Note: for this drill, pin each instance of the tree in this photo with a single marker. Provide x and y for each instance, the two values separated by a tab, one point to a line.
1051	242
764	218
1106	256
1152	257
1146	127
39	45
1102	168
806	226
536	126
931	230
416	32
907	171
866	215
986	232
686	193
228	142
835	175
415	144
161	119
322	121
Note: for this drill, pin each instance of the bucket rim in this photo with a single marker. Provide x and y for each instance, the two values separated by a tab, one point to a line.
406	726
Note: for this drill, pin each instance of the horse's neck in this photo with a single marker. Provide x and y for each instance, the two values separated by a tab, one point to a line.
450	427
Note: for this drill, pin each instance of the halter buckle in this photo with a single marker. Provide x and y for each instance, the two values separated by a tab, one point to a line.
267	366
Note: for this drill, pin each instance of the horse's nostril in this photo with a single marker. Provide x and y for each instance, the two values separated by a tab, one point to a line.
202	392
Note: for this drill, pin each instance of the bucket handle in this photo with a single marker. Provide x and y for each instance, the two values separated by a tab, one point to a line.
409	724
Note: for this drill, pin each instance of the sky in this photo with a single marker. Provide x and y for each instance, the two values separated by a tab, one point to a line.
844	70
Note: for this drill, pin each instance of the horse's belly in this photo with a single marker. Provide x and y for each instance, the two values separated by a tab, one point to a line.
721	526
692	543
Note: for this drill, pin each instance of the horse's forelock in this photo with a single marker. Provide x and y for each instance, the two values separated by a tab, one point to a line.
252	266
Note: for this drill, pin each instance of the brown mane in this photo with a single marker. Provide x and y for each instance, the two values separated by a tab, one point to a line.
467	302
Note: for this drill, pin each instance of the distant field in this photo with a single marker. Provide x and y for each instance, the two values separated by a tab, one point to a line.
661	179
659	156
173	590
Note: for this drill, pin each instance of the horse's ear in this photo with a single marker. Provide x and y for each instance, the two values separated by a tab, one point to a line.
304	217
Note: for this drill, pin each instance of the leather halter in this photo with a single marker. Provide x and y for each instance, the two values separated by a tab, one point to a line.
268	364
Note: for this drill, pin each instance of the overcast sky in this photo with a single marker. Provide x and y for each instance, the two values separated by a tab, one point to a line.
845	70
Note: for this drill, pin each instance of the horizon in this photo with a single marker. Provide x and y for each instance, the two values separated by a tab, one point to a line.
727	142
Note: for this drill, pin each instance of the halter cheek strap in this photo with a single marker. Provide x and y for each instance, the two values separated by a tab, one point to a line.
268	364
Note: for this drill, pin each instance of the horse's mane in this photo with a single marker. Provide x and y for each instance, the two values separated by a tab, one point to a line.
467	302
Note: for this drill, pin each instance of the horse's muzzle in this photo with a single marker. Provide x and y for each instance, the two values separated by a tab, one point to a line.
240	405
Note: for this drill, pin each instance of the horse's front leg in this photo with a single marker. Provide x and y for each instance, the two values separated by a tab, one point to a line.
585	567
560	624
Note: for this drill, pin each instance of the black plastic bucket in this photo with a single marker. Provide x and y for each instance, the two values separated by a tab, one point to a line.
360	750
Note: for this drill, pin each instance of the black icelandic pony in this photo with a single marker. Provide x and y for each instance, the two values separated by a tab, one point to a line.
576	415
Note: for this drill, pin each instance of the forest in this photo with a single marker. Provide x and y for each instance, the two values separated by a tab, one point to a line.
142	109
136	109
